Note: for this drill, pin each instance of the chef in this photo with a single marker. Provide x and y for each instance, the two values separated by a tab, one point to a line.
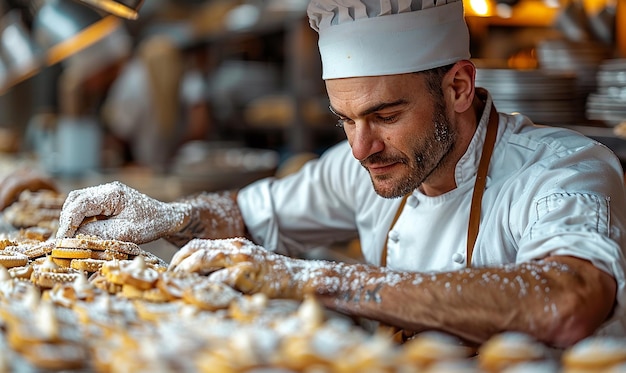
471	221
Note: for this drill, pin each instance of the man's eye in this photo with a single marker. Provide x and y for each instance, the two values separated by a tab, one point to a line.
388	119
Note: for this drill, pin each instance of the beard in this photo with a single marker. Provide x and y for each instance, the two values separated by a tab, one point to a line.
429	153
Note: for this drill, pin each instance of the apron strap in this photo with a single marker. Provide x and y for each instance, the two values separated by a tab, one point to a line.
479	184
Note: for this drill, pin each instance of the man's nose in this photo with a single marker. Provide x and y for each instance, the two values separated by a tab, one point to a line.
365	141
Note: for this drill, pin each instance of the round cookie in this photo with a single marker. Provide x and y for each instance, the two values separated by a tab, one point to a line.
49	279
210	295
96	243
508	349
70	253
62	262
108	254
137	274
10	259
594	354
22	272
34	250
111	271
87	265
175	283
48	273
432	347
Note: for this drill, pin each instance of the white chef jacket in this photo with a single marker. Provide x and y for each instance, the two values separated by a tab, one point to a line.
549	191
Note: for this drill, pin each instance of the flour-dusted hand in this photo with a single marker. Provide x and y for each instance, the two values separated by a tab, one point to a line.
250	268
116	211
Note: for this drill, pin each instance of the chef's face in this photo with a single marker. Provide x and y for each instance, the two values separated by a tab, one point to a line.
398	129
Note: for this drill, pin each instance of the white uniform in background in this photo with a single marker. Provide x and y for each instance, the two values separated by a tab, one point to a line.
534	197
145	104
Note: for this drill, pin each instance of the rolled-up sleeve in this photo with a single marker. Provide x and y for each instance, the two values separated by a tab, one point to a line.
313	207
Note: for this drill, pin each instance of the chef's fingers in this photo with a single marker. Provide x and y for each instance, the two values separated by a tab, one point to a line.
191	263
108	229
231	249
101	200
204	261
241	276
70	219
186	251
74	213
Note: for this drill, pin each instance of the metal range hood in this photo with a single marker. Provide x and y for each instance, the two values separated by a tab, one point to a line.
60	29
128	9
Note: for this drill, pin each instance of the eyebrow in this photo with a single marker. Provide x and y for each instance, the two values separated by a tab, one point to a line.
371	109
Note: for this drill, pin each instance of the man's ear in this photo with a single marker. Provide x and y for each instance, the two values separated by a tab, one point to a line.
460	85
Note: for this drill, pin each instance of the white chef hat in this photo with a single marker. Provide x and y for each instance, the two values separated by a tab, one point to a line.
384	37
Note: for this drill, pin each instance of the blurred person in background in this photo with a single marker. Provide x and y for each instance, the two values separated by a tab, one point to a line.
156	104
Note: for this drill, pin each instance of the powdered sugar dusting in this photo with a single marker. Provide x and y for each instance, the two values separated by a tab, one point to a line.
116	211
359	289
213	215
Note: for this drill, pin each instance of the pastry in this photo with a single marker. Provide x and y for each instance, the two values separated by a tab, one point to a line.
32	209
137	274
108	254
432	347
34	250
87	265
508	349
68	293
96	243
23	272
175	283
70	253
48	273
209	295
10	259
594	354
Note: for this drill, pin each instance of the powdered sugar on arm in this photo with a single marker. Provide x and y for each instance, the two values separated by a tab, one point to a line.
212	215
559	300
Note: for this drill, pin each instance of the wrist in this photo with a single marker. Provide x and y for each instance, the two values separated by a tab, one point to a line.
181	213
206	215
320	277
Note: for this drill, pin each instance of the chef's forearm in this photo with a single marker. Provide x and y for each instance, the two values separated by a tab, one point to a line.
547	300
429	302
211	215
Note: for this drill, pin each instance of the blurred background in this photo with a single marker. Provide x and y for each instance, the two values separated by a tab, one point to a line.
174	97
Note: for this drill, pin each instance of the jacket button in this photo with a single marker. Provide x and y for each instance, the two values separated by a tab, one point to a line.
411	201
394	236
458	258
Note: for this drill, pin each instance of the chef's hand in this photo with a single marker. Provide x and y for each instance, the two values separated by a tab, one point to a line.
249	268
20	180
116	211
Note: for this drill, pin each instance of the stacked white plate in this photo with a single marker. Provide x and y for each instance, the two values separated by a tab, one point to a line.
546	98
608	103
580	58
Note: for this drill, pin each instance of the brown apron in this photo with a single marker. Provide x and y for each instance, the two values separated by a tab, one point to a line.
400	335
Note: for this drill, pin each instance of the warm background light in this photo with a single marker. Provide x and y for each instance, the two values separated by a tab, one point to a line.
479	8
523	13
